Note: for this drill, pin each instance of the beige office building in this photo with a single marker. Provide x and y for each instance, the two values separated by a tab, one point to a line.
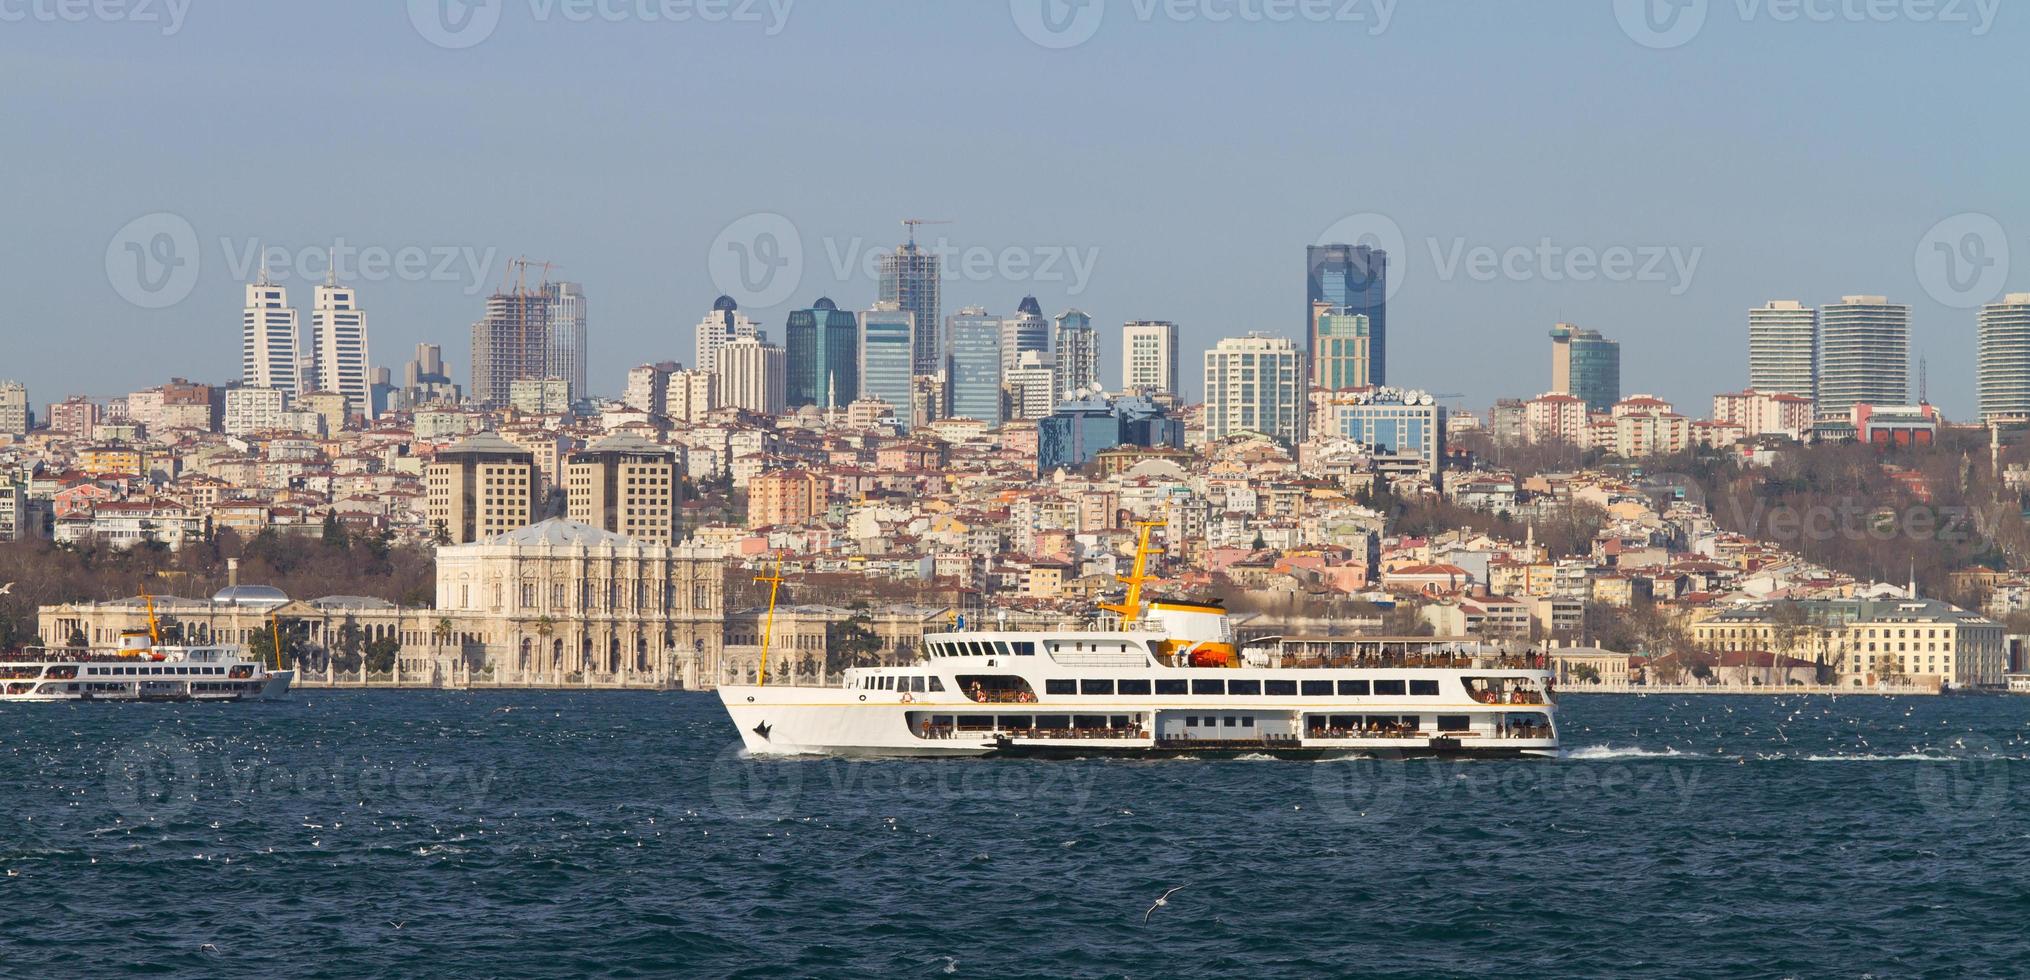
479	488
626	485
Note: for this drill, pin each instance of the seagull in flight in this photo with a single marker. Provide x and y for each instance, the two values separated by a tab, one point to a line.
1165	900
7	589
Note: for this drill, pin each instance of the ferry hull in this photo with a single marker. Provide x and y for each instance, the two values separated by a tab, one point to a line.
847	723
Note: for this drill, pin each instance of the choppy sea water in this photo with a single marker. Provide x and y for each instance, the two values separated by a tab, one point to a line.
622	835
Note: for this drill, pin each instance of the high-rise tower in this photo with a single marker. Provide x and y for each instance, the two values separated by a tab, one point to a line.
1353	278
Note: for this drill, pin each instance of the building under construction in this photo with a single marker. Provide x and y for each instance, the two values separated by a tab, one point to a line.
530	332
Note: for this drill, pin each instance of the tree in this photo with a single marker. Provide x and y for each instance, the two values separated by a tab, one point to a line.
851	642
334	533
380	654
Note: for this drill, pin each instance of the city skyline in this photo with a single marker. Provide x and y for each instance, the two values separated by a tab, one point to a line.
1776	225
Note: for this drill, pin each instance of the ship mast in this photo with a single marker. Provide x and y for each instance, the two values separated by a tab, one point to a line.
1130	606
774	580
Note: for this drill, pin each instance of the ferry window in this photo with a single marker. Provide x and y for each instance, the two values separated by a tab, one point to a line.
1053	721
1280	688
888	683
1353	687
1247	721
937	686
1232	722
1317	689
1025	648
1096	687
1243	687
916	685
1424	689
1133	687
1454	723
1201	686
1015	721
1177	686
1060	687
1117	721
1191	721
1388	687
1088	721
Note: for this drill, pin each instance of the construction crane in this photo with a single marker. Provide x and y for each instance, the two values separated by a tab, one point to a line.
518	273
913	223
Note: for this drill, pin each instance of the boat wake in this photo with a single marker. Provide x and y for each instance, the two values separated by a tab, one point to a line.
1596	753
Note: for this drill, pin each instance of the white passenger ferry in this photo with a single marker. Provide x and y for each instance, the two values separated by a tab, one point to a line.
1171	682
141	670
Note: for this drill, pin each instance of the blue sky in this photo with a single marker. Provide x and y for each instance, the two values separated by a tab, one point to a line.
1188	161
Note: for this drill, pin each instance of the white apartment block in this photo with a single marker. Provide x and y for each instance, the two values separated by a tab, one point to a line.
1764	413
720	327
1149	356
270	337
691	395
1032	386
254	410
754	376
1555	417
2003	370
1783	349
1865	355
540	396
13	408
338	328
1255	384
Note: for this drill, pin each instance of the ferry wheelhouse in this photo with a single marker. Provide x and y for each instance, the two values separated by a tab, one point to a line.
141	670
1171	681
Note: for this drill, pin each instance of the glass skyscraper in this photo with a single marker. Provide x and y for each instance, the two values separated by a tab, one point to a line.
1586	366
1353	278
1078	355
823	345
910	278
1027	330
887	357
973	366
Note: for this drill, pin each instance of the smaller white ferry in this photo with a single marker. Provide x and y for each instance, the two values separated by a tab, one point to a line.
1172	681
141	669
